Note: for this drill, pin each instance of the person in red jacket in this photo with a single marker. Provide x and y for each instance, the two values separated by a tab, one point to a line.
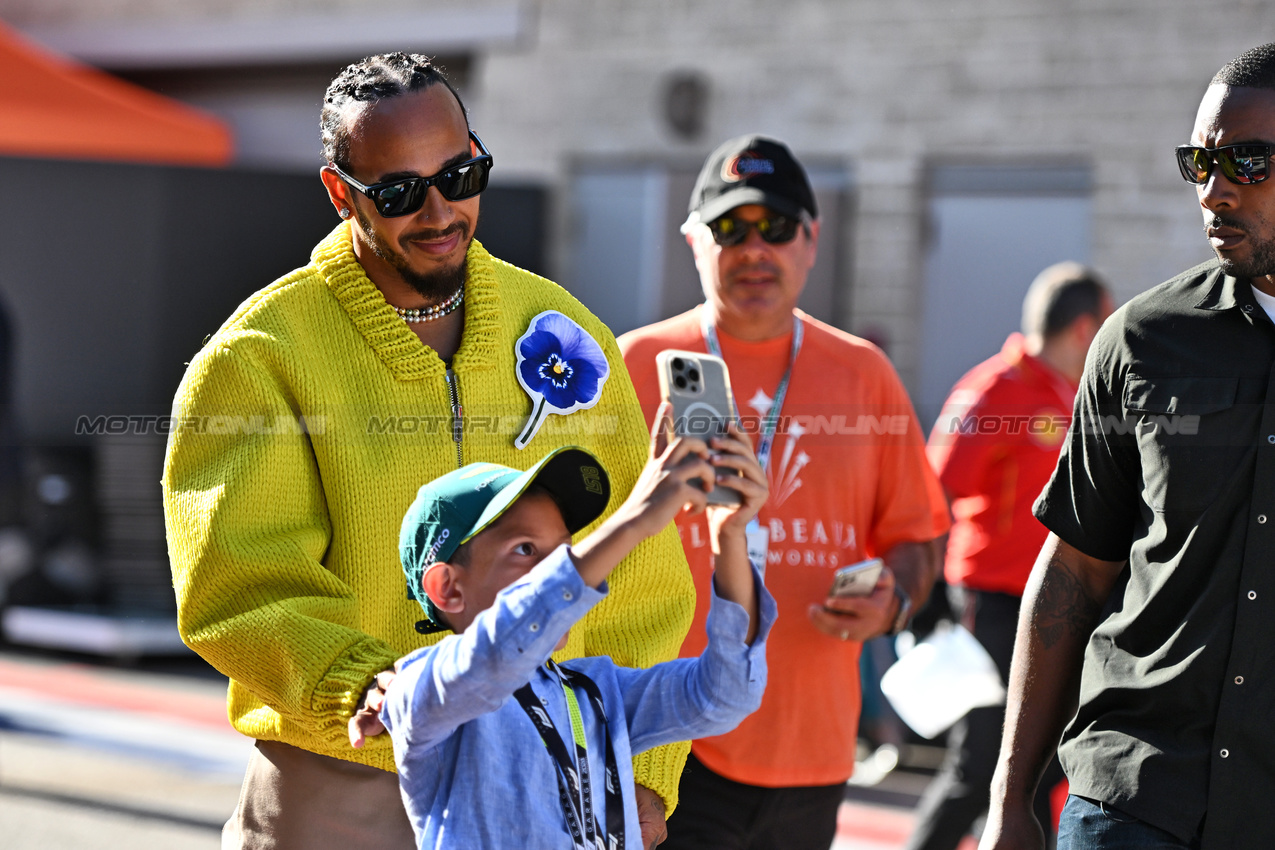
994	447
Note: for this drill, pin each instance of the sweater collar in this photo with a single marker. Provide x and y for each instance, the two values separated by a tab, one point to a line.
388	335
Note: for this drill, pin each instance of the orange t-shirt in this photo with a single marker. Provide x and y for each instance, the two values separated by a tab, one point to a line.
848	480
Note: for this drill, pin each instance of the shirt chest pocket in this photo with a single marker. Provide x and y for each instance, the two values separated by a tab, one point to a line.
1190	437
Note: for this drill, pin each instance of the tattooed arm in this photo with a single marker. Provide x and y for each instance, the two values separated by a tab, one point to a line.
1064	596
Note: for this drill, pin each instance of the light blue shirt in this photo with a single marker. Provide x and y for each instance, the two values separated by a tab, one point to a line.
472	768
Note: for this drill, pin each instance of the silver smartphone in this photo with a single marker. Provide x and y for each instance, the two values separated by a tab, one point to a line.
856	579
698	387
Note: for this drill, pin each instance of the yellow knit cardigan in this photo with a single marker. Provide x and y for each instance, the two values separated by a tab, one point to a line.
303	429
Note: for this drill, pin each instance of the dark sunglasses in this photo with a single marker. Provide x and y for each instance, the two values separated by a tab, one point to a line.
1241	164
404	197
774	229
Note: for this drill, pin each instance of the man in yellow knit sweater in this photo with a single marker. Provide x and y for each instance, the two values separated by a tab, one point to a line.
308	421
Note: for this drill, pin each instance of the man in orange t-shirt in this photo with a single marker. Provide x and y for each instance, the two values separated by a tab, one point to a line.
994	447
848	480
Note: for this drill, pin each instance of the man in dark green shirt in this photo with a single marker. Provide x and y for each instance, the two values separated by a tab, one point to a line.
1149	620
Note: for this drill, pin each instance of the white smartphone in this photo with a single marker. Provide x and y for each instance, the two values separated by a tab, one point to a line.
698	387
856	579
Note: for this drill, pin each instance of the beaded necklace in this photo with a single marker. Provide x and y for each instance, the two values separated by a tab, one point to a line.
429	314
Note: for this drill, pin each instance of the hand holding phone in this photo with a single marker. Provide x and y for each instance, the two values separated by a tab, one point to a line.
861	616
697	386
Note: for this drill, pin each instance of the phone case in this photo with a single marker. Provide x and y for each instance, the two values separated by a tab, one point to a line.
857	579
698	387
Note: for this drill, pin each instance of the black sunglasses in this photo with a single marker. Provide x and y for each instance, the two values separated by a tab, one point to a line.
1241	164
774	229
404	197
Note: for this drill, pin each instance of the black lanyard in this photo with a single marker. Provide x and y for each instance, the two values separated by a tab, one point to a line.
575	791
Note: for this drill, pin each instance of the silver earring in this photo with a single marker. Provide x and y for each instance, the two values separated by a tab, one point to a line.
345	212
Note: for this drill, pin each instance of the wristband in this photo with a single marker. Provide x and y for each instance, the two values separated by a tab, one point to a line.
905	611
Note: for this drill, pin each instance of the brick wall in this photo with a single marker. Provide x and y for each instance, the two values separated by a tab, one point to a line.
887	88
891	88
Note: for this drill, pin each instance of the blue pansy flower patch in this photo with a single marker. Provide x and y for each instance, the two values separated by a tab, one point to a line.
561	367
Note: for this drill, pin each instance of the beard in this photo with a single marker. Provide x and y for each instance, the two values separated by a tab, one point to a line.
434	285
1261	259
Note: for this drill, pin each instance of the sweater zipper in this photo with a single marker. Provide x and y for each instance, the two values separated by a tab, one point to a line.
458	414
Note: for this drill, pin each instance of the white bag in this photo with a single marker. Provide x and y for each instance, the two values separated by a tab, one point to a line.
940	679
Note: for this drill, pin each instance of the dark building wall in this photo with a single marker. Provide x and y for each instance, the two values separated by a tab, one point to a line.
512	225
246	230
79	278
115	274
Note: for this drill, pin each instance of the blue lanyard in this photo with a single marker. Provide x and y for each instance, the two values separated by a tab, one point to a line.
771	425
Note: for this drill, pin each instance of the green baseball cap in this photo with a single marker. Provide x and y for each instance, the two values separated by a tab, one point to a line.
453	509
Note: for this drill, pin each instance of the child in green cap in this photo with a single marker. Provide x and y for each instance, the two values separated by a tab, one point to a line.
495	744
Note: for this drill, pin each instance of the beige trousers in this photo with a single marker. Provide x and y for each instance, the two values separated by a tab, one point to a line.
293	799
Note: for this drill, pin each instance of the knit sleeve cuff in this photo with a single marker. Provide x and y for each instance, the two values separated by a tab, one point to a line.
660	769
338	693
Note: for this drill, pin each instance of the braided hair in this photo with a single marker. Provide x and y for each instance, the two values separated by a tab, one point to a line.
369	81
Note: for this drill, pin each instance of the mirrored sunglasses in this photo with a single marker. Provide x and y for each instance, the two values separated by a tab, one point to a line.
774	229
1241	164
403	197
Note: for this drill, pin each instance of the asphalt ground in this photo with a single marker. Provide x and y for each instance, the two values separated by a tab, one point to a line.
98	756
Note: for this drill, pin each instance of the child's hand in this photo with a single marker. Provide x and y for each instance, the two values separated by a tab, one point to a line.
668	482
662	491
732	573
734	451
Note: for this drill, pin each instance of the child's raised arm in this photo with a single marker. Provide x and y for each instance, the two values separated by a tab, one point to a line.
662	491
732	572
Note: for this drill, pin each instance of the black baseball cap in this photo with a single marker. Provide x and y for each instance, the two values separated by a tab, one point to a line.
751	170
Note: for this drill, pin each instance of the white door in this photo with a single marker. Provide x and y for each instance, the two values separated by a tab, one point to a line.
991	232
617	244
